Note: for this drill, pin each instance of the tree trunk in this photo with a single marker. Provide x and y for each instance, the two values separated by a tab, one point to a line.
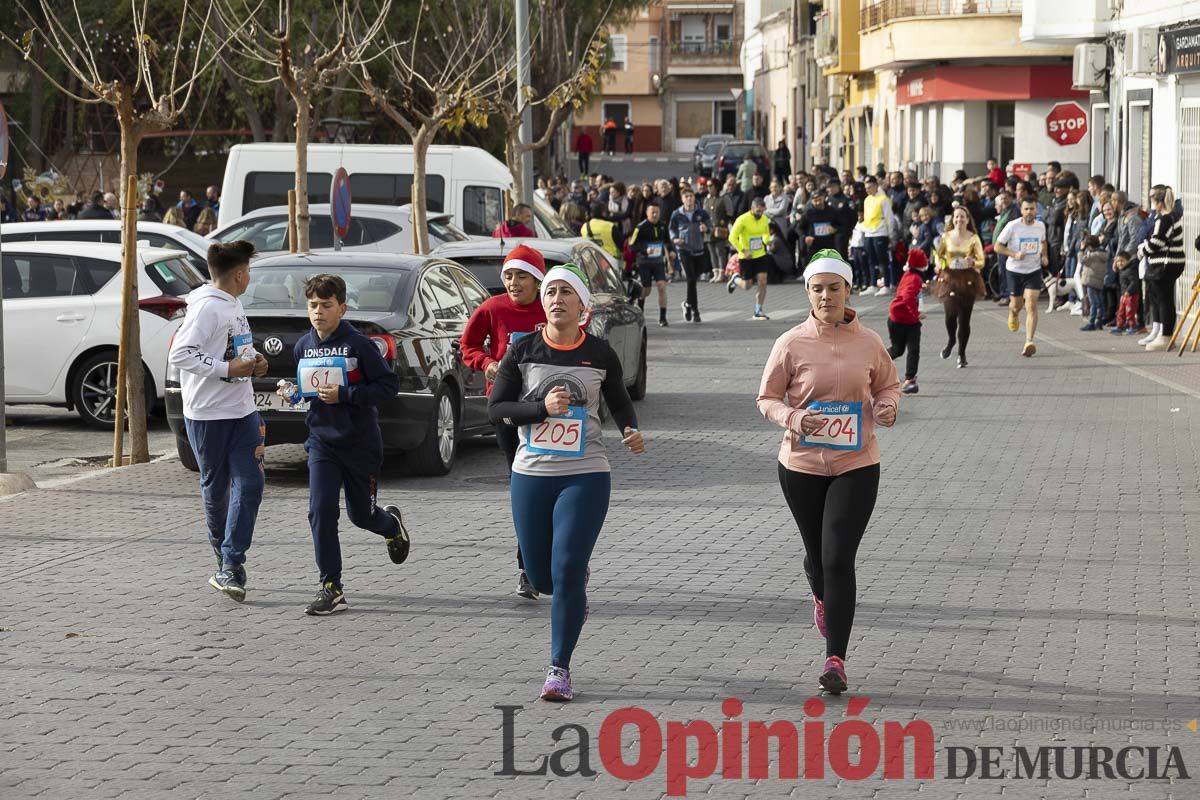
135	374
512	155
303	120
420	225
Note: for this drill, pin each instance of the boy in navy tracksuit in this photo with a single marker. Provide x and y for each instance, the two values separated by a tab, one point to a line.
346	379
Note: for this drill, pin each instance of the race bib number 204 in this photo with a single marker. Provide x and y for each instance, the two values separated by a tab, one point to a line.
841	426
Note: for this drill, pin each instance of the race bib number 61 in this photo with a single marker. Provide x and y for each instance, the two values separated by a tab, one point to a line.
313	373
559	436
841	424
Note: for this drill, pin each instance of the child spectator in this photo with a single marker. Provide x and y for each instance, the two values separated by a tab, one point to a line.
904	318
1094	264
1131	295
858	256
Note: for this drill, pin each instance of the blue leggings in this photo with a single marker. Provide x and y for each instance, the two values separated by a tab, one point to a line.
558	520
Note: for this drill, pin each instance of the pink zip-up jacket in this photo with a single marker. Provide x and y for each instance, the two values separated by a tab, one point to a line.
821	361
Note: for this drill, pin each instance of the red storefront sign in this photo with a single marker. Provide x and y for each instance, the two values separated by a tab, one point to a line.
1017	82
1067	123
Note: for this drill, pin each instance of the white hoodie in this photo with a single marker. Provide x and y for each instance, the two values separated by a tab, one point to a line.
213	332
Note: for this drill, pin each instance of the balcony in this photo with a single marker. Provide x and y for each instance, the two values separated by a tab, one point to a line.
901	34
826	40
696	51
881	12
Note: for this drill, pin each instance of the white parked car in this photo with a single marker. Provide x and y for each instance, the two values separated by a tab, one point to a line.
62	311
373	229
150	234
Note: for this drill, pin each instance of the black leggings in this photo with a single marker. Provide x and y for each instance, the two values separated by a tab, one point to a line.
693	266
1163	298
832	513
510	441
958	320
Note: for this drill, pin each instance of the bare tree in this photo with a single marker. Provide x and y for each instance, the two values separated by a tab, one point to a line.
560	102
306	54
149	84
446	75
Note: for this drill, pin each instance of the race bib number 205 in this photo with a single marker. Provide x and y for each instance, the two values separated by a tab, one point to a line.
841	426
559	436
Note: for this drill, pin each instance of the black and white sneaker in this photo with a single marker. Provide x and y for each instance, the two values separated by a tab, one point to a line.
398	545
687	311
696	318
731	286
525	588
760	316
329	600
226	581
662	322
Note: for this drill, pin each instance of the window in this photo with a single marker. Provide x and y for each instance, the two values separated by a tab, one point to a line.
264	189
471	290
174	276
367	289
395	189
485	269
28	276
654	57
619	47
99	272
482	210
441	294
596	271
723	24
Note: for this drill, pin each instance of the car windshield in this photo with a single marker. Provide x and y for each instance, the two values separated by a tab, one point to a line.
174	276
367	289
198	242
486	269
742	150
549	218
445	230
712	148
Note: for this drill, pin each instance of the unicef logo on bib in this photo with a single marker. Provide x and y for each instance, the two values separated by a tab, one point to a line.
313	373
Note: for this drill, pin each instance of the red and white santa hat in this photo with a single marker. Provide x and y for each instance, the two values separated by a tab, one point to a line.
524	257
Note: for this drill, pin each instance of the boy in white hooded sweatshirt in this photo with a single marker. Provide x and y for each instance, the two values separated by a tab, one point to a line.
215	356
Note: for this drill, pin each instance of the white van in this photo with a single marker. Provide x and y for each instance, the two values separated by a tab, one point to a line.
466	182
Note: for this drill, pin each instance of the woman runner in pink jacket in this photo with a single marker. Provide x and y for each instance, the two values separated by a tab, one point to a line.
828	382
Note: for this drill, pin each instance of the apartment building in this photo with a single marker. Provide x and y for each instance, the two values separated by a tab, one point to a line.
1138	63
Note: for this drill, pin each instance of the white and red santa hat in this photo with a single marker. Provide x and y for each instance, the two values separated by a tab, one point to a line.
524	257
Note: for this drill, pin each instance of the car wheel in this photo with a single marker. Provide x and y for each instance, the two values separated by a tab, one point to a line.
94	390
638	392
186	456
435	455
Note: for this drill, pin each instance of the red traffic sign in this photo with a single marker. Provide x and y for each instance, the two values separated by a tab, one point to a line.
1021	170
3	141
339	202
1067	123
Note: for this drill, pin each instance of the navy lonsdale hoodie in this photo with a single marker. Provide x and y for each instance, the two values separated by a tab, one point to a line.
354	419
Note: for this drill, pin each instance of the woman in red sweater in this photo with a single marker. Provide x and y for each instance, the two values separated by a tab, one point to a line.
496	324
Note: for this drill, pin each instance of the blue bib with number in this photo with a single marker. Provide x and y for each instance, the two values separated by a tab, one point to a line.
515	336
313	373
559	436
841	426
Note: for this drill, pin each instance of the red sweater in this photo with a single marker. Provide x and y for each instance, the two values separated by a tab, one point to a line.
495	320
904	305
511	229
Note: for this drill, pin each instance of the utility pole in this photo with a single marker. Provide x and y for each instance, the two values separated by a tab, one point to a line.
526	128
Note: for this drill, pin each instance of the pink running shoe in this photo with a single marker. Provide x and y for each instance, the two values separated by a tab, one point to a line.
819	617
557	687
833	679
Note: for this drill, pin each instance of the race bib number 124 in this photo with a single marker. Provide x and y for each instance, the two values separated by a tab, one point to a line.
841	425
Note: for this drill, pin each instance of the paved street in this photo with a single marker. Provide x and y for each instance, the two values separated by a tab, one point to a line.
637	166
1030	578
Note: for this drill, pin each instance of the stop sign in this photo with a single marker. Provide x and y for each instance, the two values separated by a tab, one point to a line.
1067	123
